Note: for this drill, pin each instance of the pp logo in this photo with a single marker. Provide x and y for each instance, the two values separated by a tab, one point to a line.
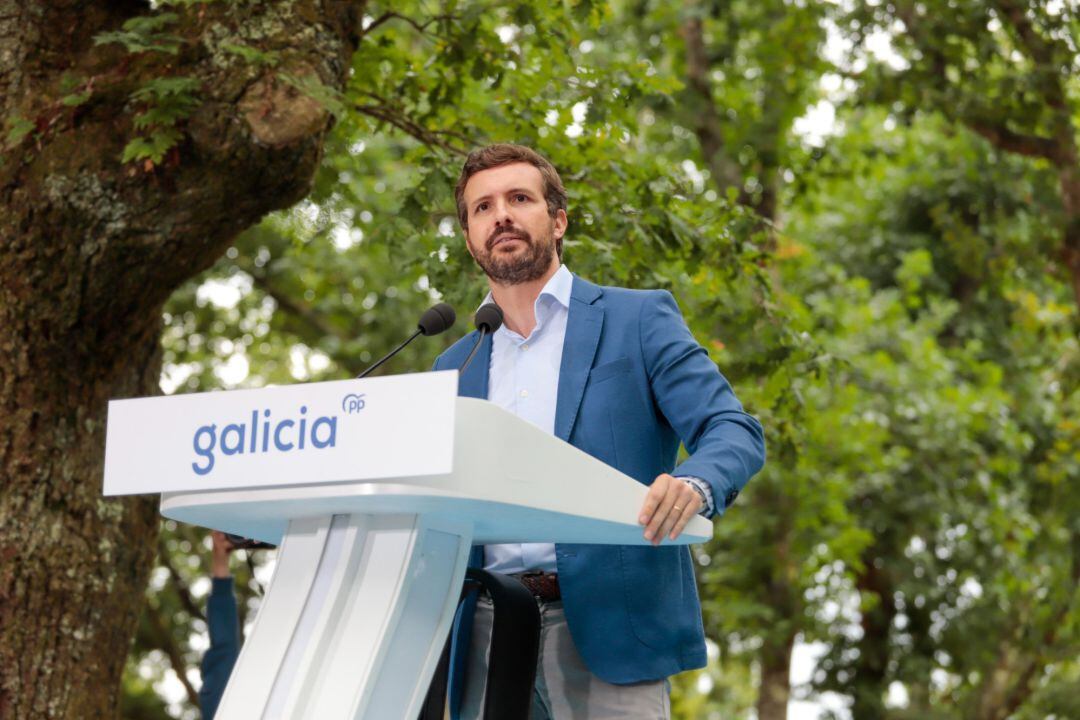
352	403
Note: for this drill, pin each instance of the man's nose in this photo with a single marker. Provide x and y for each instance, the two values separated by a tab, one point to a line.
502	214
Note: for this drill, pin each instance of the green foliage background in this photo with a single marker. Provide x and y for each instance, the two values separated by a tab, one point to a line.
887	299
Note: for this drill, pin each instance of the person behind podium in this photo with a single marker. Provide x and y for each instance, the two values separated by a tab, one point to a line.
224	626
616	373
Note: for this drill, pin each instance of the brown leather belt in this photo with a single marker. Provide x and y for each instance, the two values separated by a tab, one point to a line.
543	586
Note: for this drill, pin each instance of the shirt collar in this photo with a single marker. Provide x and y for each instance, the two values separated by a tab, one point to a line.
558	287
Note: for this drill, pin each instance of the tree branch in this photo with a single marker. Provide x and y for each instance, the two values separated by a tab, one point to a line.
182	590
308	315
410	127
1025	685
1037	47
1048	65
1052	149
299	308
420	27
376	23
389	105
167	644
1005	139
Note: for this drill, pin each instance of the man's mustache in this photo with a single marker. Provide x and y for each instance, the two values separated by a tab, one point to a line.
507	232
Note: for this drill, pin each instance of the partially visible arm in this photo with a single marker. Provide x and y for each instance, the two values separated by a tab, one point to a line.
218	662
726	445
224	626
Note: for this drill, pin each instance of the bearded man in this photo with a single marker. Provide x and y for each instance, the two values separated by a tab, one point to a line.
616	373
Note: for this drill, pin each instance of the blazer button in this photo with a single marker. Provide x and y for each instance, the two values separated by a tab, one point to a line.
731	498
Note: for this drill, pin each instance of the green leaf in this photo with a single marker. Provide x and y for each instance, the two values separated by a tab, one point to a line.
144	34
18	128
332	100
152	147
255	56
76	99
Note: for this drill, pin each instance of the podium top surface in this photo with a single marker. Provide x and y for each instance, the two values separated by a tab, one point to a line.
247	462
511	481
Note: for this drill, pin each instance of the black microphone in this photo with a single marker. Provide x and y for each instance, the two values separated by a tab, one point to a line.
239	542
434	321
488	319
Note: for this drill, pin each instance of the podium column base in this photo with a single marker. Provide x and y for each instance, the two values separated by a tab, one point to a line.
355	619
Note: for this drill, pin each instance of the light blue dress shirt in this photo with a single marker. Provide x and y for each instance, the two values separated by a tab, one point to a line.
523	377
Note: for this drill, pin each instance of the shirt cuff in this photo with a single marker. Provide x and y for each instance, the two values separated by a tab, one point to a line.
705	490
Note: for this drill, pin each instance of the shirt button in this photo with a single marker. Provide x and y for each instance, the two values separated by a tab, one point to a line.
524	393
525	346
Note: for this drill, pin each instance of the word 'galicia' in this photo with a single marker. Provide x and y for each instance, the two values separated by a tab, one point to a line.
236	439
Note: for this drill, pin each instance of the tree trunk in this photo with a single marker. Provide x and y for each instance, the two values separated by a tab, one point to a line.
1069	177
871	667
786	608
92	248
775	677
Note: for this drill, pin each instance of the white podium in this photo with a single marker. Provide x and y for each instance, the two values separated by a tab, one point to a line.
375	490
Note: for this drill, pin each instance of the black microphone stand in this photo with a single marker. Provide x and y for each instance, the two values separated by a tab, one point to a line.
488	319
475	347
435	320
391	354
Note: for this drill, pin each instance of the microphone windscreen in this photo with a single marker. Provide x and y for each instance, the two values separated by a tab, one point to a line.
437	319
489	315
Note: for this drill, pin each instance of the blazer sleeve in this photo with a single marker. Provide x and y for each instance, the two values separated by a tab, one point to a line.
218	662
726	445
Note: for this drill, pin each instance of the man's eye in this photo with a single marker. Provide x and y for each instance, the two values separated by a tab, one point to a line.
521	197
481	207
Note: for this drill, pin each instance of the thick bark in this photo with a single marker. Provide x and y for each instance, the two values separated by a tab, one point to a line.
91	250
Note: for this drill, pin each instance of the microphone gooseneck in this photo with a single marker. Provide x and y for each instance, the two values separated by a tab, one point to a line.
434	321
488	319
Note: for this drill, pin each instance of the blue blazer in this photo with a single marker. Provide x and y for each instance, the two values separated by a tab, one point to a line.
633	383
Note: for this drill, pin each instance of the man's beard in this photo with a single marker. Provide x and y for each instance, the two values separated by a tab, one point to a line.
521	267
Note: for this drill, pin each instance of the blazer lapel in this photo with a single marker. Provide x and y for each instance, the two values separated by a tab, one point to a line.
474	381
583	325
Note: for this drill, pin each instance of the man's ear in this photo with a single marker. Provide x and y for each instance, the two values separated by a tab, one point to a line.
560	223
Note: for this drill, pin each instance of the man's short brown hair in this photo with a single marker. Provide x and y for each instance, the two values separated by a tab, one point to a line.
501	154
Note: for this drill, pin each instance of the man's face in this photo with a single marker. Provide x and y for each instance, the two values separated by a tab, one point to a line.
511	235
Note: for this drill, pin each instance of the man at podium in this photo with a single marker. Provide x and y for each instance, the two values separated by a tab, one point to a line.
616	373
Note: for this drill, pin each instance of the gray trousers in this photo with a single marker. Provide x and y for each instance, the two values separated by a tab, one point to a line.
565	689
